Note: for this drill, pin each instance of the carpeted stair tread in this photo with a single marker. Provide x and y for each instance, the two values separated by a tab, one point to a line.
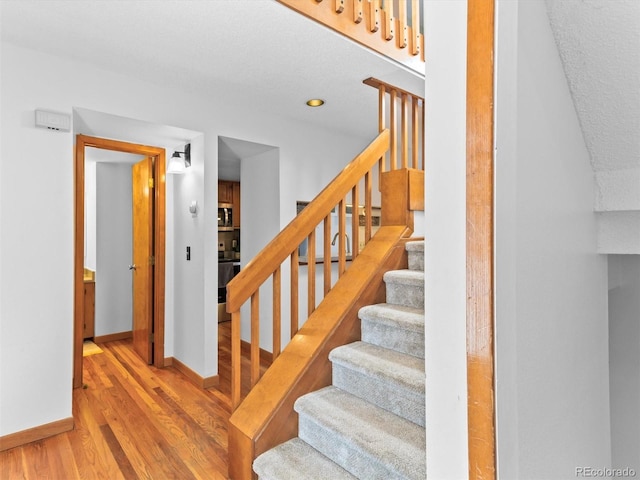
405	287
386	378
396	327
405	277
366	440
398	316
297	460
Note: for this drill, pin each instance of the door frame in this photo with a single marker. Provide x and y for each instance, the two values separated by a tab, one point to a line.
480	240
159	168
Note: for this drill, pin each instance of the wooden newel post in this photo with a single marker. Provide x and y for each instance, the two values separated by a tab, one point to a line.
402	192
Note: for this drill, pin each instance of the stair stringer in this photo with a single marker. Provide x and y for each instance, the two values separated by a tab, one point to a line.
266	417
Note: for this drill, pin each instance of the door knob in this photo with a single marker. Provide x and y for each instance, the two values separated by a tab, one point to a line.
132	267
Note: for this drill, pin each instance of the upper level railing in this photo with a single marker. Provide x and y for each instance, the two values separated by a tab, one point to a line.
390	27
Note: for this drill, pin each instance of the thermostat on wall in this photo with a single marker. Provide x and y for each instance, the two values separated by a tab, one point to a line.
53	120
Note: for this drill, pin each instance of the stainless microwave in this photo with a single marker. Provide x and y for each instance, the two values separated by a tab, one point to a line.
225	216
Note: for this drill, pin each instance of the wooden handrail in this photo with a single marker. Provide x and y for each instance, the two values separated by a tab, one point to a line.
262	266
391	28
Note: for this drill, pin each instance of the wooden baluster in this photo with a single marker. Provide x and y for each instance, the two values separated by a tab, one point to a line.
388	22
295	265
311	273
374	15
342	232
236	360
415	133
415	28
382	101
339	6
367	207
255	338
277	308
404	127
357	11
402	30
355	223
394	131
327	254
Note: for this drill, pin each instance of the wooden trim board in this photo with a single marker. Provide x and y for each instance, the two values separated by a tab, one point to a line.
36	433
112	337
193	377
480	244
265	356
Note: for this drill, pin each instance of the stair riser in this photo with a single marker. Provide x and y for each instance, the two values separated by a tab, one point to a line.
400	340
393	398
342	452
403	294
416	261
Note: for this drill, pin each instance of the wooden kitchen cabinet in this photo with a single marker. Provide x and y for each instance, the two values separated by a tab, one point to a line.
89	309
229	192
225	191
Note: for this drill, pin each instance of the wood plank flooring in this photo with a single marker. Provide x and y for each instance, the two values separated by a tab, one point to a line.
133	421
224	363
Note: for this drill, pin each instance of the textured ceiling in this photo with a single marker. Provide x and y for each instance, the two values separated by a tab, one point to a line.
259	52
599	43
253	51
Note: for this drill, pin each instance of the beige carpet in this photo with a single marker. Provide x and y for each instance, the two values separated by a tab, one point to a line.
90	348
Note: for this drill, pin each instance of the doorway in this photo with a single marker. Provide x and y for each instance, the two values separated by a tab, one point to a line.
152	192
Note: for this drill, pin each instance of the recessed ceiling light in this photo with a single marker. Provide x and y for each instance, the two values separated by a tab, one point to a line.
315	102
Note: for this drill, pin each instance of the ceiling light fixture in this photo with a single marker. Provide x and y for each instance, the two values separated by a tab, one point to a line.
177	165
315	102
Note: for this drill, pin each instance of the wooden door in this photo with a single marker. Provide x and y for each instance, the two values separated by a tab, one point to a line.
89	309
143	261
157	197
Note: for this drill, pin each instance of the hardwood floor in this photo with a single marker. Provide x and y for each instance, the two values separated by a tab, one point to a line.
133	421
224	362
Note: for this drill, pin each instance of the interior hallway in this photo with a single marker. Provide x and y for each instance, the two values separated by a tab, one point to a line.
132	421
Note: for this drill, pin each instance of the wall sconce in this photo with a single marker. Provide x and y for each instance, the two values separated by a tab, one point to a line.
178	165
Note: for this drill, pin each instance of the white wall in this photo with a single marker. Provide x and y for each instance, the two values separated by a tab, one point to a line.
554	393
114	245
624	356
90	213
191	342
506	148
260	222
444	255
42	225
36	281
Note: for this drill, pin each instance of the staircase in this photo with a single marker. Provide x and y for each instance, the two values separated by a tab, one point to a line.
369	423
